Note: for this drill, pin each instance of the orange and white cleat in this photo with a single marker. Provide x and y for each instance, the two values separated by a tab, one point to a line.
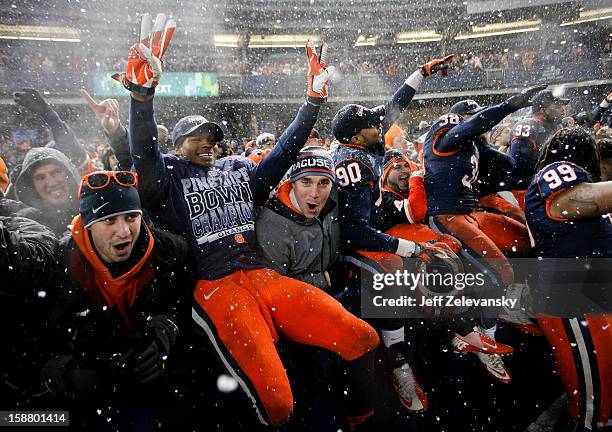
495	366
478	342
408	389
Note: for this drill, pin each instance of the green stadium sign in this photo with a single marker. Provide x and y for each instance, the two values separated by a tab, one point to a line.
203	84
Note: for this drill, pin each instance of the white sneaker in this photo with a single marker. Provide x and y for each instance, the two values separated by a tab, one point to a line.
494	364
408	389
518	316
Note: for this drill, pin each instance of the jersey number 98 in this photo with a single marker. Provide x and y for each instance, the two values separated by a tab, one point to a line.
449	119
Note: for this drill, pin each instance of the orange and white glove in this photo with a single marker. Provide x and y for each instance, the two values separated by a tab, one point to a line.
319	74
144	66
428	251
606	102
436	65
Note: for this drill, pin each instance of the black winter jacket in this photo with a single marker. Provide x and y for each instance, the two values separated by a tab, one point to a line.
27	263
96	336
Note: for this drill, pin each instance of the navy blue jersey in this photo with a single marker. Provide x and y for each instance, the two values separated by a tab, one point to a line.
212	207
527	136
449	173
393	210
494	172
358	174
451	155
558	237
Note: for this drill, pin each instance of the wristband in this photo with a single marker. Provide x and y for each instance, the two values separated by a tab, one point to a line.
406	248
315	101
415	80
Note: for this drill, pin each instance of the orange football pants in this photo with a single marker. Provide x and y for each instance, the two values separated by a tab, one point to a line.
417	233
243	314
583	354
487	236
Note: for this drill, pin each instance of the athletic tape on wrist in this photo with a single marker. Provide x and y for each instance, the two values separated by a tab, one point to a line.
415	80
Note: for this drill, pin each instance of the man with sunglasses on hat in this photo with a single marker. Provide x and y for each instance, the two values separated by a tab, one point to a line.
121	298
239	303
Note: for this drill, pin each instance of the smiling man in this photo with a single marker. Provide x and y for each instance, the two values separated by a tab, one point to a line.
239	304
49	182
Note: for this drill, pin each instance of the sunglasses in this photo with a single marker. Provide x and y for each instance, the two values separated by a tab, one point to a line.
101	179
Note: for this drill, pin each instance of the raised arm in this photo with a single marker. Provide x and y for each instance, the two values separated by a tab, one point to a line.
107	113
144	68
145	153
273	167
599	110
402	97
483	121
65	140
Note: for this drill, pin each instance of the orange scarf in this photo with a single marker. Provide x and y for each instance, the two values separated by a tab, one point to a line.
283	196
121	291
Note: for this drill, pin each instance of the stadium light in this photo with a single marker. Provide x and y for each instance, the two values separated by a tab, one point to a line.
39	33
590	15
498	29
281	41
366	40
417	37
226	40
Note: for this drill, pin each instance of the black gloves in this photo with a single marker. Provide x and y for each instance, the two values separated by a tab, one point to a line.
65	381
148	358
32	100
523	99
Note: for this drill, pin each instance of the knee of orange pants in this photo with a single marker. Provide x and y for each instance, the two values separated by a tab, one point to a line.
367	340
278	403
477	243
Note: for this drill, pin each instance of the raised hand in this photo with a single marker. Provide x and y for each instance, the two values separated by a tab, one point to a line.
319	73
523	99
32	100
144	66
107	111
436	65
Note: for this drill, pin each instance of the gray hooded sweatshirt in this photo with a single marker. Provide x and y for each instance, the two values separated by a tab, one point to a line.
57	219
295	246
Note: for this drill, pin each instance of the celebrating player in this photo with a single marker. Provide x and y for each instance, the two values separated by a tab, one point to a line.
564	208
241	305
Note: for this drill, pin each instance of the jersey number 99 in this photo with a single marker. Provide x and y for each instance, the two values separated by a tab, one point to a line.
555	177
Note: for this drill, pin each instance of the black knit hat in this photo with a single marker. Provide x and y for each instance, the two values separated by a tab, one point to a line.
315	161
111	200
351	119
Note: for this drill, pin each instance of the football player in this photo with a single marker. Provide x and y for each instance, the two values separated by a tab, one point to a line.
452	152
564	208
